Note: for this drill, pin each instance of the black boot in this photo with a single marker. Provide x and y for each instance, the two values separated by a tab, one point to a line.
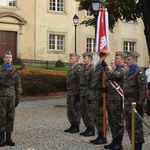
99	140
70	128
9	140
2	139
75	129
117	143
138	146
90	132
109	145
82	133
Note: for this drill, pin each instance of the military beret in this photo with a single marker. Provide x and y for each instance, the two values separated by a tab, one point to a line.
133	54
8	53
74	54
88	54
120	54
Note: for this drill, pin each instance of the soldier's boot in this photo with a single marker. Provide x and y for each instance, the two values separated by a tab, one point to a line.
2	139
109	145
99	140
138	146
9	140
90	132
70	128
75	129
82	133
117	144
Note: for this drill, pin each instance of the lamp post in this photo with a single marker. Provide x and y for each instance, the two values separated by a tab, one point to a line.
75	21
95	6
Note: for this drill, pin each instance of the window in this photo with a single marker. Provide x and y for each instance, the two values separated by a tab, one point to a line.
57	5
90	45
56	42
129	46
8	3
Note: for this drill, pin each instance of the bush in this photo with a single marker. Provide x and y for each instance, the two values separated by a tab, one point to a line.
59	63
42	84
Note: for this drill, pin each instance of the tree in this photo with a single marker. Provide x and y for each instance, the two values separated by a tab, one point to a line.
128	10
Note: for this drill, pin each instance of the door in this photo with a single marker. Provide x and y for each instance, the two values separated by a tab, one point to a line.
8	41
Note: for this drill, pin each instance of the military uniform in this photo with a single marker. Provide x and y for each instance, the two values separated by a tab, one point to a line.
134	91
73	97
10	90
96	101
86	111
114	104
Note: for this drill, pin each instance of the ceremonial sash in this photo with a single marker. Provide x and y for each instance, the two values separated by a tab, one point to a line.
118	89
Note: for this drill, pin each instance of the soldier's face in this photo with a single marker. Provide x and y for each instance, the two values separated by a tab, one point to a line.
130	61
118	60
7	59
86	60
73	60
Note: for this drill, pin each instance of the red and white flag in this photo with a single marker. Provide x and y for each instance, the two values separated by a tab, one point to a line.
102	36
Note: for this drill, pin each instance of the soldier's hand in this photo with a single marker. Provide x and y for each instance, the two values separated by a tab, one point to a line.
104	64
16	102
139	108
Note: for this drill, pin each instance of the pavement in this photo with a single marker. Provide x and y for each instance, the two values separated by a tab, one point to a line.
40	124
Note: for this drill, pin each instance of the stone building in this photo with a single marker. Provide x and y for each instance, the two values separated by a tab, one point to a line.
44	30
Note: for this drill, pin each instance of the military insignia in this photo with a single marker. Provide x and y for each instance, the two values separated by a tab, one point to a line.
142	78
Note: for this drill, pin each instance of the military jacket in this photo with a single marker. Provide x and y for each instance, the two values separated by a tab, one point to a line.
117	75
73	79
12	85
85	80
96	85
135	86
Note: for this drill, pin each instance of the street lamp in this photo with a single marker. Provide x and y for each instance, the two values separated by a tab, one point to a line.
96	4
75	21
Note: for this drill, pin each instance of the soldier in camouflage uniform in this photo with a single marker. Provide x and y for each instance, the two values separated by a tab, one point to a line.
85	81
114	101
10	90
134	91
95	98
73	94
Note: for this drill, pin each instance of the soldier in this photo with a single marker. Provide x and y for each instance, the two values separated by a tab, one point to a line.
95	98
134	91
10	90
85	81
114	101
73	96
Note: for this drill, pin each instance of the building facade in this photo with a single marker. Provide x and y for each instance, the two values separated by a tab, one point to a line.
44	30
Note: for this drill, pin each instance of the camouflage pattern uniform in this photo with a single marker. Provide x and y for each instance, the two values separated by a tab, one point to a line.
73	104
8	94
114	103
85	81
96	100
134	91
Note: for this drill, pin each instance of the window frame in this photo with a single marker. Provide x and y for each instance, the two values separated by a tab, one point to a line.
55	7
8	6
129	46
92	44
56	41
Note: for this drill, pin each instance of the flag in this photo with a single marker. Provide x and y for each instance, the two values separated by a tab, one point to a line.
102	37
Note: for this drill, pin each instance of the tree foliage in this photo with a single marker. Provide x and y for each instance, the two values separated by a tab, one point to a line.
117	9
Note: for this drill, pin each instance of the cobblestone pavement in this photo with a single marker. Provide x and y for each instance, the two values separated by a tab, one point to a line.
39	125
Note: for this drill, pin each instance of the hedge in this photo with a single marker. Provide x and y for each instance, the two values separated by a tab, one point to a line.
42	84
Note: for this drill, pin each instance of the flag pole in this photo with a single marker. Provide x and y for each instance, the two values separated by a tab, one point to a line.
104	104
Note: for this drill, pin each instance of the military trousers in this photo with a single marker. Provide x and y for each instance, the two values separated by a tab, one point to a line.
73	110
139	135
7	114
115	117
98	115
86	112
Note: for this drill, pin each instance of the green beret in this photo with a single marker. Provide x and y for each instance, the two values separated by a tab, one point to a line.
120	54
8	53
90	54
74	54
133	54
